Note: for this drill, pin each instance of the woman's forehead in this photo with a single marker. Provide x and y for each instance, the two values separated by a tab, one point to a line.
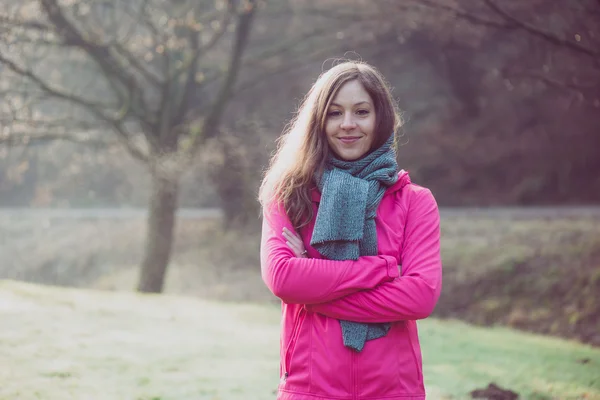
352	93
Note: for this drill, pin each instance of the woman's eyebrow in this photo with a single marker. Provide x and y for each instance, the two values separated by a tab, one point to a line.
355	104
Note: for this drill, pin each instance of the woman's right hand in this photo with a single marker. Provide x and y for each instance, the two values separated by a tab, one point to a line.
294	242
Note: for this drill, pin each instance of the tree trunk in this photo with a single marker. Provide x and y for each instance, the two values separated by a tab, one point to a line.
232	177
161	224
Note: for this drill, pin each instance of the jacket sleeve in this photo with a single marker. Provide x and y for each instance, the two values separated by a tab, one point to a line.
413	295
310	280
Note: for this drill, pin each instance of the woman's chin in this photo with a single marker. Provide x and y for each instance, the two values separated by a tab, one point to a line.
349	155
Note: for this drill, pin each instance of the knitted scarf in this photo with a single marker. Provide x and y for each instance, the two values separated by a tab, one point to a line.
345	225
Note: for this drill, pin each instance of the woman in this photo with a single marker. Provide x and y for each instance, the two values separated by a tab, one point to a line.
349	245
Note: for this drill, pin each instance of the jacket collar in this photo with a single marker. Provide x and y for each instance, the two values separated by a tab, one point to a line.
403	180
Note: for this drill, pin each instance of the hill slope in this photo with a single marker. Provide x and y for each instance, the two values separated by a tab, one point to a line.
82	344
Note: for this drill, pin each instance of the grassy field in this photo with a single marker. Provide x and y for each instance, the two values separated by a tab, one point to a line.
58	343
75	344
540	273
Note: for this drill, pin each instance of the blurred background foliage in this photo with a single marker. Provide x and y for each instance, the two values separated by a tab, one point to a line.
501	105
113	103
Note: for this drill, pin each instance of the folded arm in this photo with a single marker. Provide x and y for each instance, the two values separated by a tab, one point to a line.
413	295
311	280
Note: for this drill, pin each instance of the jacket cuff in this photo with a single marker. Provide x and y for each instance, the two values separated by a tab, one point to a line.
392	266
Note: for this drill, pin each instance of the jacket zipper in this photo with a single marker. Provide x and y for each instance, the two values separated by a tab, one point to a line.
290	348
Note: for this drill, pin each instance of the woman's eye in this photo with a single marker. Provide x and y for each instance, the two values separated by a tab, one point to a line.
362	112
334	113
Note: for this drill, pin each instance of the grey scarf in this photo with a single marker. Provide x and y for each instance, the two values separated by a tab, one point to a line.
345	225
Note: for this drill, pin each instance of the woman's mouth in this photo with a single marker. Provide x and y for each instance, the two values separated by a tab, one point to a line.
348	139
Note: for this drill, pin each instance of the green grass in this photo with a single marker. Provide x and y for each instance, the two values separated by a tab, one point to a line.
82	344
475	245
459	358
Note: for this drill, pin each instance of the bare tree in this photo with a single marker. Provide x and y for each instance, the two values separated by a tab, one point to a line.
125	72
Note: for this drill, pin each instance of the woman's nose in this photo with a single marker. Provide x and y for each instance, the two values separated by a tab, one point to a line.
348	122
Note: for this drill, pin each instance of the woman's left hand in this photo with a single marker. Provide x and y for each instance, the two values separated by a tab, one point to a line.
294	241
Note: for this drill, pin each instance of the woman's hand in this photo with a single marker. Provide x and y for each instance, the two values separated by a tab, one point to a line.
294	241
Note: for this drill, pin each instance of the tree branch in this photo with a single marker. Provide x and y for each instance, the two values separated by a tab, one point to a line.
288	67
24	139
28	24
131	59
223	25
200	50
68	123
539	32
184	103
280	49
125	139
467	16
212	121
135	63
101	54
94	108
536	75
339	16
292	64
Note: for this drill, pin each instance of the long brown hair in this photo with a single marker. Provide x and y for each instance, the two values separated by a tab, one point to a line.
302	150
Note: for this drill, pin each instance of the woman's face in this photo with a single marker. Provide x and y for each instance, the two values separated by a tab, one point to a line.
350	122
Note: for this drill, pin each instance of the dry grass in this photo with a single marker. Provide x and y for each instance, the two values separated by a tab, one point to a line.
474	246
541	275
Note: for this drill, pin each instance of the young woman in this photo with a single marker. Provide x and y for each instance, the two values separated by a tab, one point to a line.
350	246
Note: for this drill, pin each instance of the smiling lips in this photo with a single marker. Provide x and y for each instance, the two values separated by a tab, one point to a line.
349	139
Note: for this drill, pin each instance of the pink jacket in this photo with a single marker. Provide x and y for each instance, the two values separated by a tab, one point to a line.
316	292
